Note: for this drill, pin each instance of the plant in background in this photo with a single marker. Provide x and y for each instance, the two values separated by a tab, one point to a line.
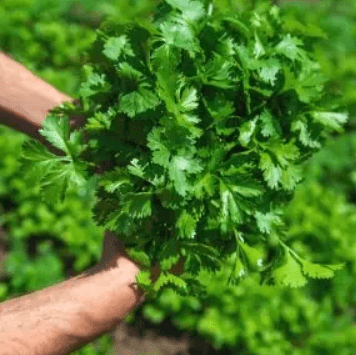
333	21
50	37
199	118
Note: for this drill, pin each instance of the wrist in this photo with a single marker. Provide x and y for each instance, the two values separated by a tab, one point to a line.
63	317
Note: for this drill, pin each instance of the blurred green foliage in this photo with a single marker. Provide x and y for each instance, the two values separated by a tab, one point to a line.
336	52
46	39
50	37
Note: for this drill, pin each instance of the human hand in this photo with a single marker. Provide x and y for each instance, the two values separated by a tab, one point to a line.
114	255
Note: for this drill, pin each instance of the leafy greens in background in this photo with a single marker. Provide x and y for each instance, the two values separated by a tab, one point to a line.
199	118
333	21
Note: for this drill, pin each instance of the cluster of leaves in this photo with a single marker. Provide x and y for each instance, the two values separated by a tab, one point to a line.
321	222
198	120
252	319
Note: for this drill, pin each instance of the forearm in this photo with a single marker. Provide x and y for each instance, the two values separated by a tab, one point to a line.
62	318
25	99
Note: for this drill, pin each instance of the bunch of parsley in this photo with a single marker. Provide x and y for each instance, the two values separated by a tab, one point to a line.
198	118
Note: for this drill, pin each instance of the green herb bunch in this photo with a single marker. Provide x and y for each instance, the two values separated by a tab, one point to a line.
198	118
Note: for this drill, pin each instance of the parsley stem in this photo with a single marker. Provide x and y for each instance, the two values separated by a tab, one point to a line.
289	249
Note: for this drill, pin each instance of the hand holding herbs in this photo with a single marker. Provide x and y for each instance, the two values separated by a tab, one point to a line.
199	115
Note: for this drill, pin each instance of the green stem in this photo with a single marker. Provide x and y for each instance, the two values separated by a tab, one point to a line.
289	249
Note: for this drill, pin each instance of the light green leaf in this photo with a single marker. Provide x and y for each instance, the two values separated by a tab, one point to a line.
304	134
258	50
205	183
289	274
100	121
269	70
289	47
161	154
336	267
248	62
186	224
129	72
291	176
140	257
238	270
272	173
35	157
95	83
285	153
316	270
136	169
113	180
56	130
192	10
117	46
166	278
137	102
230	210
270	127
333	120
144	278
179	167
177	33
246	132
309	84
217	72
54	174
189	99
245	185
255	255
63	177
267	221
